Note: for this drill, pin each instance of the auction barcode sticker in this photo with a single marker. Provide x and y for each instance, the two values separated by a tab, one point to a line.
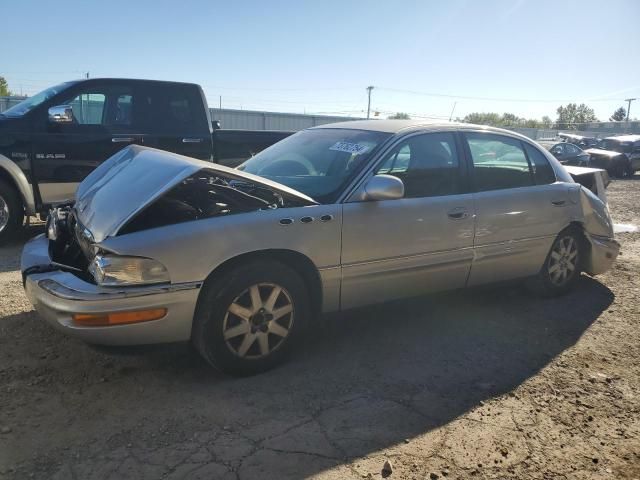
353	148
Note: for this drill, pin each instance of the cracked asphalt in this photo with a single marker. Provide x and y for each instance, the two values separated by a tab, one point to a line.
486	383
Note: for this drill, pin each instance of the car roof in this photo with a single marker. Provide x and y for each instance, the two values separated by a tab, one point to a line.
406	126
625	138
133	80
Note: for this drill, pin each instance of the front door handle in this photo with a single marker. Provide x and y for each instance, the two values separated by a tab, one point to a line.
192	140
122	139
458	213
558	203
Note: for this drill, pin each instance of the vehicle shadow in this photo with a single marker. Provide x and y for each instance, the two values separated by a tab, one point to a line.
360	382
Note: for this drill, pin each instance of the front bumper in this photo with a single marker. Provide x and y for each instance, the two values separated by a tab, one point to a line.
57	295
604	252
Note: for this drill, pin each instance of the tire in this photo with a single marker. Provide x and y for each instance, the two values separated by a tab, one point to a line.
563	265
617	171
11	211
243	325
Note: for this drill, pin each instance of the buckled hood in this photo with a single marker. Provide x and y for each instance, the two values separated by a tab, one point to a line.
134	177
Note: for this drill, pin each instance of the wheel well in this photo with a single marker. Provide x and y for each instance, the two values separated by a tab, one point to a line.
579	226
6	176
299	262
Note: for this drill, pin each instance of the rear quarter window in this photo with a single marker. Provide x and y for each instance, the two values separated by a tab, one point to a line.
542	170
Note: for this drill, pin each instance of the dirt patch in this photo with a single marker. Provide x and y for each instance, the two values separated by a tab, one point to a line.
488	383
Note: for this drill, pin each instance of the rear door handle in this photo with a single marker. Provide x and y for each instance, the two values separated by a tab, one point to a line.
458	213
192	140
122	139
558	203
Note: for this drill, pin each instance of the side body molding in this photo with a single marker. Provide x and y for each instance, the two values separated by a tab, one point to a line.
19	178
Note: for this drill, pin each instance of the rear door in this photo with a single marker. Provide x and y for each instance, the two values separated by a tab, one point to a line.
176	119
520	208
65	153
416	244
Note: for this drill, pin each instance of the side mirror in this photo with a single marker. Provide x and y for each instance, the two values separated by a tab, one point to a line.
384	187
61	114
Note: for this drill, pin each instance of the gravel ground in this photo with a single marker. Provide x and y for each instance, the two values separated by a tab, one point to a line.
488	383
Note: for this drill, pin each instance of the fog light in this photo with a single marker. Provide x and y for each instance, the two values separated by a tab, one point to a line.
118	318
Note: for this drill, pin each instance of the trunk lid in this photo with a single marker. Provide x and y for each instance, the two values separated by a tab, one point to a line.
134	177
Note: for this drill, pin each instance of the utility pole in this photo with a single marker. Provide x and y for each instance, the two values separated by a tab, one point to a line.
86	75
629	100
369	101
220	102
452	110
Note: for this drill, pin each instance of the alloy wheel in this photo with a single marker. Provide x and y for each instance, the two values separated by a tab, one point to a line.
563	262
258	321
4	213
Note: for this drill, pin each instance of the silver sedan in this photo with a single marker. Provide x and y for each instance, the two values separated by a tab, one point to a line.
157	247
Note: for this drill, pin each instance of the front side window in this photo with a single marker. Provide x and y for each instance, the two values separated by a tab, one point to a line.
318	162
427	165
89	108
498	162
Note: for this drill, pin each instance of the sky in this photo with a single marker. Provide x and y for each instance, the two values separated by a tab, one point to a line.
422	57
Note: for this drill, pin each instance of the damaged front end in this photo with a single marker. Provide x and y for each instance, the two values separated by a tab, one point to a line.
141	189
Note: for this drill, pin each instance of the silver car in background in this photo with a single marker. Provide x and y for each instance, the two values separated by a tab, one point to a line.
158	247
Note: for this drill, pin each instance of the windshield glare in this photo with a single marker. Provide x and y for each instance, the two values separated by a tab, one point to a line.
316	162
30	103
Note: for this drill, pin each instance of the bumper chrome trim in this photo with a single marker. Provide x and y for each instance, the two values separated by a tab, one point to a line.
58	290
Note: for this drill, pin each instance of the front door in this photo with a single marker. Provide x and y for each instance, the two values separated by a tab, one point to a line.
65	153
417	244
520	207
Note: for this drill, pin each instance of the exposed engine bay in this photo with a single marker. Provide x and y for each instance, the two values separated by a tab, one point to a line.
204	195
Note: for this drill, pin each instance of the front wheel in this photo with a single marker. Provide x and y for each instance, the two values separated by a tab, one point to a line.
11	211
248	321
562	267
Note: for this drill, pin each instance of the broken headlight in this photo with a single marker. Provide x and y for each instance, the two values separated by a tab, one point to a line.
115	270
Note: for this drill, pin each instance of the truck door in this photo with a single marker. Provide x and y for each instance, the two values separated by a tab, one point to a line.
177	120
65	153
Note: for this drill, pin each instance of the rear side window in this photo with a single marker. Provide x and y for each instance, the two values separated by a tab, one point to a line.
498	162
543	172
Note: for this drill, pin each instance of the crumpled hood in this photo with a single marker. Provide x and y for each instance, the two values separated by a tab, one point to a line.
134	177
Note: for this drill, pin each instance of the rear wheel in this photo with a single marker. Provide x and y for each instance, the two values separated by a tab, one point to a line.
249	320
562	267
11	211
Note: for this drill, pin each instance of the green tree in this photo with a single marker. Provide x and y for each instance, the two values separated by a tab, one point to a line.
400	116
574	117
546	122
619	115
491	119
4	88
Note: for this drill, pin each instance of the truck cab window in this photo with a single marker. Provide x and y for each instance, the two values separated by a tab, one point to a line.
88	108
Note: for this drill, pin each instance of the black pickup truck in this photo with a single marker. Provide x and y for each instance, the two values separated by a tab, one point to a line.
52	140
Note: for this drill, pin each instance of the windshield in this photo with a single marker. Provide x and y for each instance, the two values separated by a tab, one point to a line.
30	103
316	162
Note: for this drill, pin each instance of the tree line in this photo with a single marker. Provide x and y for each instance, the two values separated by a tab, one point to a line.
569	117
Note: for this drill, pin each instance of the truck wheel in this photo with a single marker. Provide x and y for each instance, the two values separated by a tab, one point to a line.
562	267
11	211
247	321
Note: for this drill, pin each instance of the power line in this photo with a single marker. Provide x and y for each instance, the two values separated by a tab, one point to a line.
495	99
